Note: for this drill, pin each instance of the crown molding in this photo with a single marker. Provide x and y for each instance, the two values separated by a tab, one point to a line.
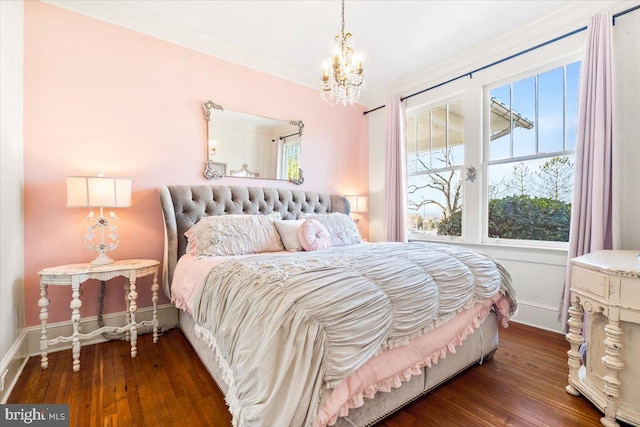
567	19
120	14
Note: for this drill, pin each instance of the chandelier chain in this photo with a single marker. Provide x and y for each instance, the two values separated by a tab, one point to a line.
342	30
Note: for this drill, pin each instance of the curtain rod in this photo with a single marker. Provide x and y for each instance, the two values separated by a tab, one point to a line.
470	73
288	136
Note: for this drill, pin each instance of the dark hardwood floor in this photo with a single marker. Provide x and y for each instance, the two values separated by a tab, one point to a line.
166	385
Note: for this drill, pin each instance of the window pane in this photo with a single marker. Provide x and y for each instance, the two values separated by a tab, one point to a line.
573	88
551	111
456	134
523	116
411	144
292	160
531	200
439	137
435	198
500	123
424	141
435	204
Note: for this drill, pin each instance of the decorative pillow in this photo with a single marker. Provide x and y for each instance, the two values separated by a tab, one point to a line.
341	228
221	235
313	236
288	231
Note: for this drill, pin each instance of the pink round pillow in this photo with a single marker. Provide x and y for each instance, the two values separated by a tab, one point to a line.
313	236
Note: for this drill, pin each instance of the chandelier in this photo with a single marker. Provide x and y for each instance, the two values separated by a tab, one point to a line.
342	74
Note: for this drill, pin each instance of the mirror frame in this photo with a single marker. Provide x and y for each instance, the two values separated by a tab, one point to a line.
217	170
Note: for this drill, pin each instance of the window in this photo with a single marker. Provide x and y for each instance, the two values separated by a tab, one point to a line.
289	157
435	156
494	163
529	154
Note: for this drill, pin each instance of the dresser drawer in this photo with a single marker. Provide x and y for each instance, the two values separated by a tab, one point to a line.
592	282
630	293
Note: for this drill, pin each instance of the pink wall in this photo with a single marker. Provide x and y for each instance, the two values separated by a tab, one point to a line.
100	98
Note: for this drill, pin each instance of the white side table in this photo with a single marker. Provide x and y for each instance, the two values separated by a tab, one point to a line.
74	275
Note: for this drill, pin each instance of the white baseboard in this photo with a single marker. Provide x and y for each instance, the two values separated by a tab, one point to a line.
540	316
12	364
167	318
28	342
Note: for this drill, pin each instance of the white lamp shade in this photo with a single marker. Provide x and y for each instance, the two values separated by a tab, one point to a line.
358	203
98	192
363	204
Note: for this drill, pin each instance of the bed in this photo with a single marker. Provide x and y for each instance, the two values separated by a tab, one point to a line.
340	336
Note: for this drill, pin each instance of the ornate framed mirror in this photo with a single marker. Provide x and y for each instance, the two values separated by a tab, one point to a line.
249	146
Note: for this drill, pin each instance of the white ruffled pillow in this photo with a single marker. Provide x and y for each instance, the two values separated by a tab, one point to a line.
341	228
221	235
288	230
313	236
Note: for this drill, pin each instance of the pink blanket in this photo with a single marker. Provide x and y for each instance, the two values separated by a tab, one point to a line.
392	367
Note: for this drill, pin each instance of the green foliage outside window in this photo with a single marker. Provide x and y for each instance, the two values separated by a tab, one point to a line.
451	226
529	218
293	168
520	217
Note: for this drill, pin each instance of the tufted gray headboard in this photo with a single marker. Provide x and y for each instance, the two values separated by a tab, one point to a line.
184	205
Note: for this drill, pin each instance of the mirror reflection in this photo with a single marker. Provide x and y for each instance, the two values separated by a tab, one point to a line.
245	145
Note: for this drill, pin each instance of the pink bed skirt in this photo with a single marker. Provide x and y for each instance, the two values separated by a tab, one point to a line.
390	368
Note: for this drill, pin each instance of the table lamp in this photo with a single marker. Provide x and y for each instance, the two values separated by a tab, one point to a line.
359	204
99	192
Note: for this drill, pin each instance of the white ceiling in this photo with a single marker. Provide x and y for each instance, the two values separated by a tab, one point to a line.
292	38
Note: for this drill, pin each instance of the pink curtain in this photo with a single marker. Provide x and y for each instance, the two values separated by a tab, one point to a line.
396	171
591	212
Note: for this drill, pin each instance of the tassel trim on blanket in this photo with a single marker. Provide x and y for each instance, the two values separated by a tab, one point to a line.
230	397
356	400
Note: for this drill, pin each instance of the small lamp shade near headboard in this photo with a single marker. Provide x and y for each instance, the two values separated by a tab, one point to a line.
358	203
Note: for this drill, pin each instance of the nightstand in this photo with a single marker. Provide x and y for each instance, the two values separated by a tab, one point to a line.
74	275
605	291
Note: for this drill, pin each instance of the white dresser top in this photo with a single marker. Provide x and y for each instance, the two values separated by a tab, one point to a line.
612	261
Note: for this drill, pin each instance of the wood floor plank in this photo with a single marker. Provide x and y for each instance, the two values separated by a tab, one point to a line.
109	387
87	359
55	380
161	370
134	412
121	411
98	390
74	399
146	391
166	385
38	379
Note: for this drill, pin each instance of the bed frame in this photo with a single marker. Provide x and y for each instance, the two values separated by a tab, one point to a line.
184	205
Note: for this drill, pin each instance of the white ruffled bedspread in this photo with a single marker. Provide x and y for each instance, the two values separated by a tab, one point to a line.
288	329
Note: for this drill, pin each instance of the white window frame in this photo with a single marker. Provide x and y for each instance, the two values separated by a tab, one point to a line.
486	117
459	96
474	92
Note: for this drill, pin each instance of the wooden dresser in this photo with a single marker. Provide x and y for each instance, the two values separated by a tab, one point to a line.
605	288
